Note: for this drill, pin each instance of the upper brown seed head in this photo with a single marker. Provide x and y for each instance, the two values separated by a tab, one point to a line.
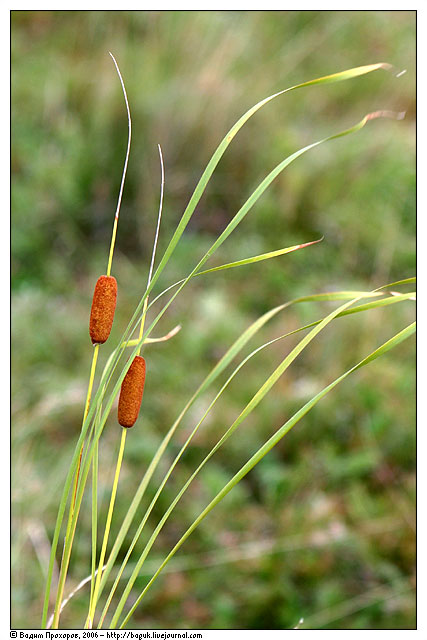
103	308
131	393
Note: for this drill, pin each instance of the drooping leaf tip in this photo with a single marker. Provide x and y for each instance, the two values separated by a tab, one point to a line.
394	115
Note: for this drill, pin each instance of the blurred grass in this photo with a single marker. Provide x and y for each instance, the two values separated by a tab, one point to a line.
342	484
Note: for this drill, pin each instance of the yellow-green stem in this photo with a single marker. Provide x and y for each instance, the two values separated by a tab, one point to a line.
94	594
113	242
65	560
94	515
141	329
107	529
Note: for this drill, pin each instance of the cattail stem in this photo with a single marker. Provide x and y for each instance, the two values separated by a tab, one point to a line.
91	379
86	411
89	620
141	328
102	314
94	516
112	245
69	535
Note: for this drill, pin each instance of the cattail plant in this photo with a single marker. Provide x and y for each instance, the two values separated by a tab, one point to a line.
130	378
100	324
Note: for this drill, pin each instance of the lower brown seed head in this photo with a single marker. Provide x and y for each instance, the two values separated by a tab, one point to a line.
131	393
103	308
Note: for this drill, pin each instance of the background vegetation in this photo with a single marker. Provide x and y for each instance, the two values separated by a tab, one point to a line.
324	527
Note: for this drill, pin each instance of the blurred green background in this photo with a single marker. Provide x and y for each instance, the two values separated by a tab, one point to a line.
324	528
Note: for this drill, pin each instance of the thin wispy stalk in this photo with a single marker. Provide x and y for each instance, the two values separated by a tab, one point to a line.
159	217
122	183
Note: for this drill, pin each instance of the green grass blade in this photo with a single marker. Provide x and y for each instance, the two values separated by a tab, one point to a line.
139	494
221	365
213	162
253	198
259	258
383	302
402	335
175	284
239	216
230	354
256	399
398	282
393	300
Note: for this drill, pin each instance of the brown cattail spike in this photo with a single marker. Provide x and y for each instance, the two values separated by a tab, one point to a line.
131	393
103	308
